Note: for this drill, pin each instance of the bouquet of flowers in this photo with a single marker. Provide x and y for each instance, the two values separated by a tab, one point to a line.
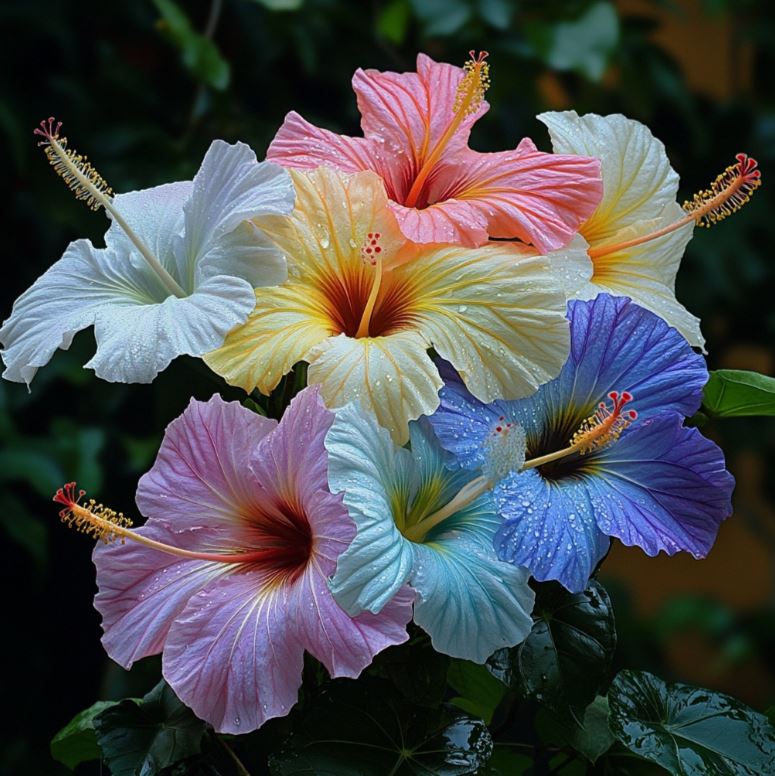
482	377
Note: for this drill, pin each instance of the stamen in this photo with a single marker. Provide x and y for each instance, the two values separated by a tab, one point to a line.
372	254
727	194
476	81
88	185
731	190
74	168
101	522
470	93
606	424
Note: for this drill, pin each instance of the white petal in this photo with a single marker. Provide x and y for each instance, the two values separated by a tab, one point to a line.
638	181
135	343
230	187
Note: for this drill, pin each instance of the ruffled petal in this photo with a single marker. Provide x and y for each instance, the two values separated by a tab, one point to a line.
638	181
135	343
229	188
665	488
346	645
410	112
540	198
141	591
371	473
618	346
392	377
450	221
200	479
470	603
233	655
550	528
496	315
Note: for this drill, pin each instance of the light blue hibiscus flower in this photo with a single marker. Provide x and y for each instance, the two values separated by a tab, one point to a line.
468	601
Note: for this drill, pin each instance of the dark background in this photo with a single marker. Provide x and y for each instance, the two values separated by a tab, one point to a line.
144	86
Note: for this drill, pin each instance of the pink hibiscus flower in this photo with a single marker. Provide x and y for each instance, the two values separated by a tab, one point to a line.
228	577
416	128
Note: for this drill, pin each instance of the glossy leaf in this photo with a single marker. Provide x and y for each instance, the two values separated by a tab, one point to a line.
199	53
566	659
479	691
732	393
368	729
76	742
688	730
144	737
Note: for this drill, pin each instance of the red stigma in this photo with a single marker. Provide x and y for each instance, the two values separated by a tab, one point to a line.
68	496
478	58
48	129
748	168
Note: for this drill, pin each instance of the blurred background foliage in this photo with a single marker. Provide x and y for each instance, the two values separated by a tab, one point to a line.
144	86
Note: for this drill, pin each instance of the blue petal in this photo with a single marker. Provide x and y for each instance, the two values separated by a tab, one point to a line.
470	603
665	488
369	469
618	346
550	528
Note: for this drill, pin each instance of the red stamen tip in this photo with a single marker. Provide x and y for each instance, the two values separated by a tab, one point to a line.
748	167
48	129
67	495
480	57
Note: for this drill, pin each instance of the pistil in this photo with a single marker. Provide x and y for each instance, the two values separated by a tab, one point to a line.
88	185
105	524
470	93
601	429
371	252
726	195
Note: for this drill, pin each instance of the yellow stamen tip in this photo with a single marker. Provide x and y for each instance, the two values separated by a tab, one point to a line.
474	84
93	519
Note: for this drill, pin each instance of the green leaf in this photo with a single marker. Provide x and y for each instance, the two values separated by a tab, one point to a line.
416	670
442	17
590	737
584	45
76	742
281	5
366	728
144	737
479	691
393	21
505	762
566	659
496	13
689	731
735	393
200	54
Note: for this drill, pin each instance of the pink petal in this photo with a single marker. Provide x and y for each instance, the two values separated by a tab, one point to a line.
451	221
291	462
200	476
141	591
540	198
410	112
233	656
303	145
343	644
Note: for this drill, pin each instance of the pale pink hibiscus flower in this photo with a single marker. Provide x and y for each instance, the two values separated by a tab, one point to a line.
416	128
228	577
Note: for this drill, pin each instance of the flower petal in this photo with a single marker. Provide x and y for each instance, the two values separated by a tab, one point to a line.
496	315
540	198
638	181
142	591
392	377
666	488
550	528
346	645
369	470
229	188
470	603
639	353
200	479
448	221
410	112
136	342
233	655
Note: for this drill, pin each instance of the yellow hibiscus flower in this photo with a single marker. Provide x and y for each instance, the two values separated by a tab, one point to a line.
363	306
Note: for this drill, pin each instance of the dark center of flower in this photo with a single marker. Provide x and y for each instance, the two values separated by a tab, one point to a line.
281	539
346	297
554	436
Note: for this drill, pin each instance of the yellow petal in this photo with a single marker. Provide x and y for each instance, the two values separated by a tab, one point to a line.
392	377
